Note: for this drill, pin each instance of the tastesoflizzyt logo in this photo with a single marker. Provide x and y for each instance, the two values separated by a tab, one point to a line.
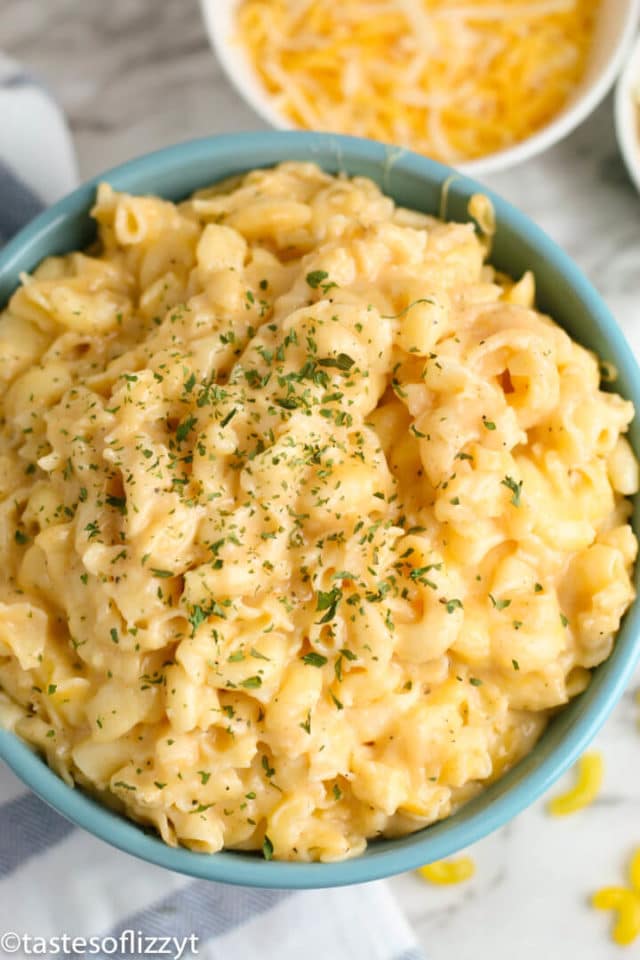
128	944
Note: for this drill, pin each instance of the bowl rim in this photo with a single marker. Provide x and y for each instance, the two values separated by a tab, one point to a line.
239	72
451	834
625	113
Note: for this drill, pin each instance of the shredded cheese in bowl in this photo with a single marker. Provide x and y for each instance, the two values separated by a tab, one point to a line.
454	80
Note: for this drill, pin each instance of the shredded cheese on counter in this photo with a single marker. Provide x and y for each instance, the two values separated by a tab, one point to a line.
452	79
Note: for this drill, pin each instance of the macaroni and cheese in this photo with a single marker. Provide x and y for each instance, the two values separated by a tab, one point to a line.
308	518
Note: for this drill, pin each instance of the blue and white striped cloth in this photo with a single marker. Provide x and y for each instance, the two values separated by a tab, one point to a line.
56	880
37	160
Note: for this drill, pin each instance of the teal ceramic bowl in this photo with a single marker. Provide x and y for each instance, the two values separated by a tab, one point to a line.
562	291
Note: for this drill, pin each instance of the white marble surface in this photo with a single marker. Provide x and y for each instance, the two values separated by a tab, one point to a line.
134	75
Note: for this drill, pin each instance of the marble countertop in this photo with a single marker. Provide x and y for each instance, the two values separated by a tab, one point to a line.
134	75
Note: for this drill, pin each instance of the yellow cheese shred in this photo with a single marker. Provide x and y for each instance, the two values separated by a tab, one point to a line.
586	789
446	872
454	80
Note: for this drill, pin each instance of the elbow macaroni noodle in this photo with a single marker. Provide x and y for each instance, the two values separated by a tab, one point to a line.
444	873
626	904
586	789
625	901
308	517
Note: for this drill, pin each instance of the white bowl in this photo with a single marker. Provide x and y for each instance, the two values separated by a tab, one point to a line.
627	114
614	34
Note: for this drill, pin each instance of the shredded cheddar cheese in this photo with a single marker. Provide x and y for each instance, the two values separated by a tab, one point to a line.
453	80
625	901
586	789
446	872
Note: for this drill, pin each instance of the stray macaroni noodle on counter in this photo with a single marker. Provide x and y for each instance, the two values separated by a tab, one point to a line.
308	519
588	785
447	872
455	81
625	901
